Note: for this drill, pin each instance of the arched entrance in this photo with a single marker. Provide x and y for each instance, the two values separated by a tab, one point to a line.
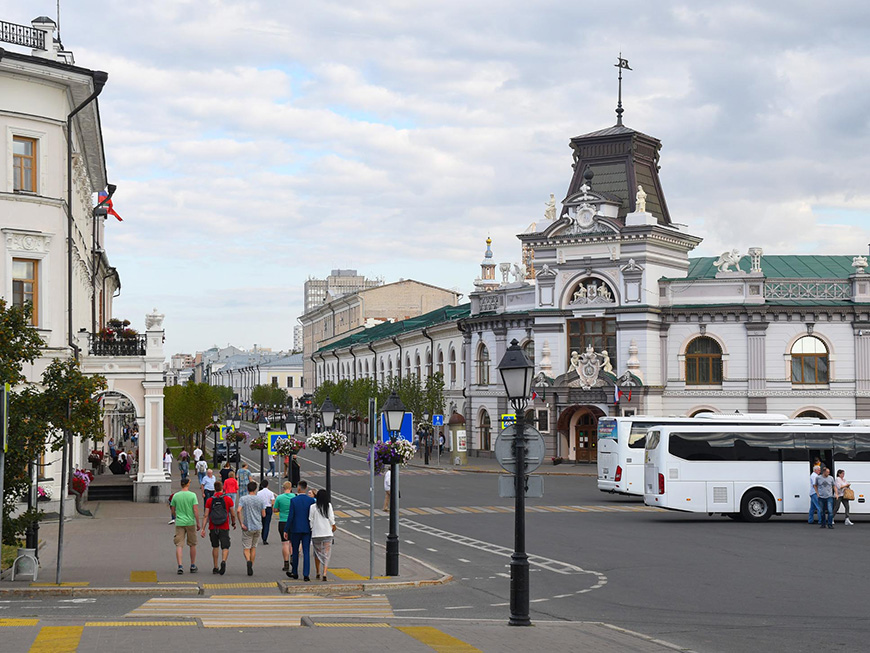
578	426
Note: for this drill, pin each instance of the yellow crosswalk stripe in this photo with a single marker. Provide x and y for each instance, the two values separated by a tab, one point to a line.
143	576
18	622
437	640
237	586
57	639
338	625
139	624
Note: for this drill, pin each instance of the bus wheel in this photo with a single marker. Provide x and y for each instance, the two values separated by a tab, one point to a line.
757	505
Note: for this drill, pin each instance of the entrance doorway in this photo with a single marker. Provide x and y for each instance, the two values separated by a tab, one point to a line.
586	438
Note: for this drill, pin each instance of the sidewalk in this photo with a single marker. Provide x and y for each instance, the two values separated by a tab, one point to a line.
127	548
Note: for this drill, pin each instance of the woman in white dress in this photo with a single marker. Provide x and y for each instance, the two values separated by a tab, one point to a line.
167	462
322	521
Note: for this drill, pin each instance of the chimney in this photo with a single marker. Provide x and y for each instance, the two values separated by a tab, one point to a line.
52	46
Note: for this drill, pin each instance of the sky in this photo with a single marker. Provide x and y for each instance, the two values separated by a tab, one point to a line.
256	144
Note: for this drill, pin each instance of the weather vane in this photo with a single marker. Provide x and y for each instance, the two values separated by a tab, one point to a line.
623	63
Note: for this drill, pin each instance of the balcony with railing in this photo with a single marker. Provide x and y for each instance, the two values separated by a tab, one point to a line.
29	37
101	345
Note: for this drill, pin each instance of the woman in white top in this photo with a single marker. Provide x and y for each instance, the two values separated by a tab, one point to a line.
167	461
322	522
840	486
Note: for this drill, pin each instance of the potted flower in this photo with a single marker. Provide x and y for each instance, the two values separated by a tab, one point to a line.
43	493
288	446
327	441
557	460
81	479
389	453
259	443
237	436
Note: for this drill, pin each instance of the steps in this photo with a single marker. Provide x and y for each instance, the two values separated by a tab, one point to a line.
111	488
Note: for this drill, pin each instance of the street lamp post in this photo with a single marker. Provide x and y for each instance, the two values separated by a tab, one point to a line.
290	425
262	426
237	425
215	417
516	374
327	414
395	411
425	438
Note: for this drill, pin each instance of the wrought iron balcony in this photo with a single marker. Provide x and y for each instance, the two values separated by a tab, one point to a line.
132	346
29	37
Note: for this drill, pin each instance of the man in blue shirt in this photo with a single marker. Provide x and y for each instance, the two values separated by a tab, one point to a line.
299	529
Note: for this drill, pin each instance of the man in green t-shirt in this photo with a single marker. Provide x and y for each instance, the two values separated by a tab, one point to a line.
282	505
185	512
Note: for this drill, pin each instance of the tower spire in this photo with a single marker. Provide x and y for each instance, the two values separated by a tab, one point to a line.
622	63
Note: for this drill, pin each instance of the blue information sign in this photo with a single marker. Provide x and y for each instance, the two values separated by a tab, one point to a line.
406	433
437	420
273	437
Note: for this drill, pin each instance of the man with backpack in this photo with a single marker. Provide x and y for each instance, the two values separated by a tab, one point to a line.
218	515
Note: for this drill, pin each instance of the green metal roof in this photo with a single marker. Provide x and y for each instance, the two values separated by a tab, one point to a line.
779	267
389	329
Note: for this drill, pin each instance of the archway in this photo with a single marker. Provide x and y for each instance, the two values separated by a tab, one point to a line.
578	426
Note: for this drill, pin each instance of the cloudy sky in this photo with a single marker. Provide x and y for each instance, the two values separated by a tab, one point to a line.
257	143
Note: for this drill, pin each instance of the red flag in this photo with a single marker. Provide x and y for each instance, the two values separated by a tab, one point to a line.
534	395
103	196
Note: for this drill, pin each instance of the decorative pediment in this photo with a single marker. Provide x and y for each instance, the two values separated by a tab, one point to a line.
591	291
27	241
546	272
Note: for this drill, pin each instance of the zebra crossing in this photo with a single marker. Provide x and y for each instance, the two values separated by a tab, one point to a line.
358	513
226	611
366	472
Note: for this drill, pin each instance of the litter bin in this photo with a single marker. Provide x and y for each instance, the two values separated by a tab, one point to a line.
155	494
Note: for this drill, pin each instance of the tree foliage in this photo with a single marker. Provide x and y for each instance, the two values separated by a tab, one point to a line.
19	342
188	409
268	395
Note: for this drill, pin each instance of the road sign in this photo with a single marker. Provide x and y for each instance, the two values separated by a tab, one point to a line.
273	437
223	431
507	487
437	420
507	420
535	449
407	432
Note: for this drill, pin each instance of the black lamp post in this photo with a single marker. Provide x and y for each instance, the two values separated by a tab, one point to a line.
290	428
215	417
229	423
262	426
237	425
516	374
425	438
327	414
395	411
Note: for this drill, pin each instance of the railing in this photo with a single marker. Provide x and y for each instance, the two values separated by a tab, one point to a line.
134	346
29	37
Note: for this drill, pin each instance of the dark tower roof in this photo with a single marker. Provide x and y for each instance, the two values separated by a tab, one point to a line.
621	158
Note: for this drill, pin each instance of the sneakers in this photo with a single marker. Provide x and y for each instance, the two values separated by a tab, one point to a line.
250	568
171	521
849	522
193	569
292	575
831	526
306	579
223	569
180	570
215	570
286	566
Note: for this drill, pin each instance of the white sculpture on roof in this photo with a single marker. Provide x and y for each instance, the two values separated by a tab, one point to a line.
727	260
859	263
640	200
505	269
550	211
519	272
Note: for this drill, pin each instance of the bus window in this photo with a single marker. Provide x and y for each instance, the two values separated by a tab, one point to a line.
652	439
637	436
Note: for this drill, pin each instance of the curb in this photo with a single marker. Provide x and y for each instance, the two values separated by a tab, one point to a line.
150	590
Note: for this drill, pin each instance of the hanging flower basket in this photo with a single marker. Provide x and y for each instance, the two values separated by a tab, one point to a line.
81	479
259	443
389	453
288	446
327	441
213	428
237	436
96	457
43	493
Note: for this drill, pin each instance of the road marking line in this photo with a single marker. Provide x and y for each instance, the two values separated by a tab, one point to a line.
143	576
343	515
437	640
432	550
337	625
463	560
409	609
227	586
18	622
346	574
119	624
408	542
498	605
57	639
538	600
459	607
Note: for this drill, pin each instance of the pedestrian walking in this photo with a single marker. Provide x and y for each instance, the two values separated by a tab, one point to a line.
244	476
295	471
299	529
218	515
271	471
843	493
231	487
282	505
814	499
208	482
185	512
225	471
825	492
268	498
112	448
197	454
321	518
441	442
201	466
388	484
167	462
250	513
184	463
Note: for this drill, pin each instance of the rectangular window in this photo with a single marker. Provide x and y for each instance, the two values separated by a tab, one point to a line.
24	164
275	381
600	333
543	421
25	285
289	381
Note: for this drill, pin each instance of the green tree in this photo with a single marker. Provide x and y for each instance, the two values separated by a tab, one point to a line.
188	409
19	342
268	395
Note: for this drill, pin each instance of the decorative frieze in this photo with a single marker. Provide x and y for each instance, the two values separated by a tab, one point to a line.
807	290
27	242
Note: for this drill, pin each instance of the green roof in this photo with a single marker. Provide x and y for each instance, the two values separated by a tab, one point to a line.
387	330
780	267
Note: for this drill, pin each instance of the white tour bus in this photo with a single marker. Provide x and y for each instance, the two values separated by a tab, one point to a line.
751	471
621	443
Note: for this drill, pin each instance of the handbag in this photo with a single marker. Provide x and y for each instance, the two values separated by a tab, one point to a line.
848	494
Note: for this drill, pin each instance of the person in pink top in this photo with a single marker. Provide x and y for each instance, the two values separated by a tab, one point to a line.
840	487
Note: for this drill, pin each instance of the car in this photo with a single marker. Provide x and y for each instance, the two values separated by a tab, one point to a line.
221	453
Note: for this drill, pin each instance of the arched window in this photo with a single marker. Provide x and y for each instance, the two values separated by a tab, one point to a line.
367	367
812	414
485	431
440	362
417	366
383	373
529	351
390	367
809	361
703	362
452	368
482	365
428	362
407	365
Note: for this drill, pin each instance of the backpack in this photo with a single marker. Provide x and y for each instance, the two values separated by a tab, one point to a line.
218	513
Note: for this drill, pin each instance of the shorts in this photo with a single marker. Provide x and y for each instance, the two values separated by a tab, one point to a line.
219	537
181	531
250	539
285	537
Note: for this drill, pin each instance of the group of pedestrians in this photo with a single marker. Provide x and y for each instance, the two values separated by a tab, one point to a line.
827	494
305	519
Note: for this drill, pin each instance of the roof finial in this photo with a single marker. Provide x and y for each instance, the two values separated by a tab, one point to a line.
623	63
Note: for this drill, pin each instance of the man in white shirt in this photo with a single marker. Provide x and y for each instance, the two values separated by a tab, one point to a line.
197	454
388	484
268	498
815	508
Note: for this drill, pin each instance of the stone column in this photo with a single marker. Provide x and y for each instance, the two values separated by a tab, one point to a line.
862	370
151	445
756	366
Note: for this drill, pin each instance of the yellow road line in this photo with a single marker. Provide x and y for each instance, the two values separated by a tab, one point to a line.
117	624
143	576
346	574
177	582
418	511
221	586
342	514
18	622
476	510
321	625
437	640
78	584
57	639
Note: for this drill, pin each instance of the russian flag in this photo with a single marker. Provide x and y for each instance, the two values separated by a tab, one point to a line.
103	196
